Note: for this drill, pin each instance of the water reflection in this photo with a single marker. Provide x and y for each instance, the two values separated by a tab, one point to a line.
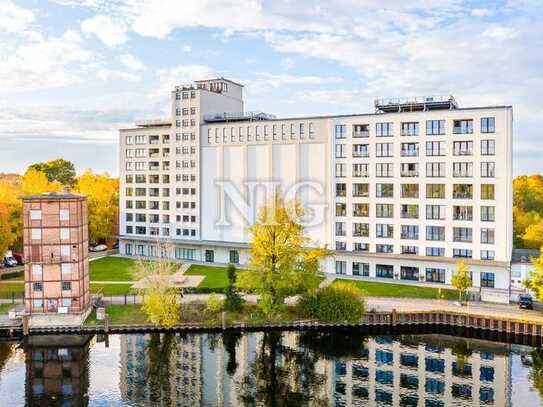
340	368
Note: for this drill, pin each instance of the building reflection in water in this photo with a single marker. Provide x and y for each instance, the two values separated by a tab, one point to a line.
57	370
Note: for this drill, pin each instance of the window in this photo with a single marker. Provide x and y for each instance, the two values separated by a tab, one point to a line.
341	246
37	303
487	191
410	190
435	191
234	256
66	286
435	170
410	129
361	130
435	148
462	253
409	170
410	232
384	248
463	148
384	210
341	230
462	234
384	150
488	255
361	210
462	170
360	170
487	280
384	271
360	150
384	170
384	190
487	170
410	250
488	147
463	126
435	212
435	275
341	131
361	190
462	191
410	150
341	267
487	214
435	127
340	170
361	229
38	286
36	234
340	151
341	209
462	212
36	270
487	236
384	230
435	233
66	302
341	189
435	251
209	256
361	247
65	250
409	273
361	269
384	129
488	125
410	211
35	214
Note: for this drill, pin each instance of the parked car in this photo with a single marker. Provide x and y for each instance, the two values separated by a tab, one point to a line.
19	257
98	248
115	245
526	301
10	261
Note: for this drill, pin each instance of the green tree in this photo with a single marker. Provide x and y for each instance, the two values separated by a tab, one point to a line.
534	282
6	235
461	279
232	299
283	260
59	170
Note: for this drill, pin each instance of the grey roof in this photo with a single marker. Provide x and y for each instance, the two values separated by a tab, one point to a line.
53	196
524	255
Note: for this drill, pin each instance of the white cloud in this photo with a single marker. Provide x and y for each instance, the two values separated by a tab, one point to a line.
480	12
500	33
131	62
187	48
277	81
109	30
288	63
181	74
14	19
106	74
43	64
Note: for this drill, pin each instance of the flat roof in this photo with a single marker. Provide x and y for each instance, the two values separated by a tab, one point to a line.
53	196
219	79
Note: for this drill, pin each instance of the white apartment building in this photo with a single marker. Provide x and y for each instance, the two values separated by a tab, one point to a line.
402	193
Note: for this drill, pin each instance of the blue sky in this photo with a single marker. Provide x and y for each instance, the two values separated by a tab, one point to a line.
73	72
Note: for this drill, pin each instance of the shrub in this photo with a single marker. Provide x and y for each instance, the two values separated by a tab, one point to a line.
232	300
214	304
338	302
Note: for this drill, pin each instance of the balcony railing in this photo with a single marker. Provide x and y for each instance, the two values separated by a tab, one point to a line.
409	153
462	130
409	173
361	133
361	154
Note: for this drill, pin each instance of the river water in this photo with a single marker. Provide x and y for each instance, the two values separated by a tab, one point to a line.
333	368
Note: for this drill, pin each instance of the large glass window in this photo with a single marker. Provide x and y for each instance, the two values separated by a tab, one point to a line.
361	190
341	267
384	129
487	191
384	210
384	190
435	233
463	126
384	271
409	273
435	127
410	190
435	191
435	275
341	131
488	125
361	269
410	129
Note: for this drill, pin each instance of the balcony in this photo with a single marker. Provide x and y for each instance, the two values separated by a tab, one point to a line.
360	154
409	153
409	173
361	133
463	152
462	130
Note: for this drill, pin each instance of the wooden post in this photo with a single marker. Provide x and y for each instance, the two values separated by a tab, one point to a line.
26	325
393	316
223	320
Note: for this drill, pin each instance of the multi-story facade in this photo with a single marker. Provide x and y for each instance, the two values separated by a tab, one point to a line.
402	193
55	236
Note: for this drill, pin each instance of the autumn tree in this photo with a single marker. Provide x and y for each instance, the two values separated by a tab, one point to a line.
160	298
59	170
528	211
102	193
461	279
6	234
534	282
283	260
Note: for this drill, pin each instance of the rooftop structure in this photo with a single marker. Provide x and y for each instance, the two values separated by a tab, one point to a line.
414	104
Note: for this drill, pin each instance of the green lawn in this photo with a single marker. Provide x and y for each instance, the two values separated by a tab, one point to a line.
215	277
111	289
120	314
4	308
7	288
376	289
112	269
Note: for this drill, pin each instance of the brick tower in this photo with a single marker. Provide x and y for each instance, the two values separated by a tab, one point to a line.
55	237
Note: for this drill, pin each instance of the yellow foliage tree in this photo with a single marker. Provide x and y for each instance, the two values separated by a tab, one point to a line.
528	211
102	193
6	234
534	282
461	279
161	300
283	260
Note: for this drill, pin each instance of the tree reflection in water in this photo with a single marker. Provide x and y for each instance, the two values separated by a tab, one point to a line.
159	350
281	375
